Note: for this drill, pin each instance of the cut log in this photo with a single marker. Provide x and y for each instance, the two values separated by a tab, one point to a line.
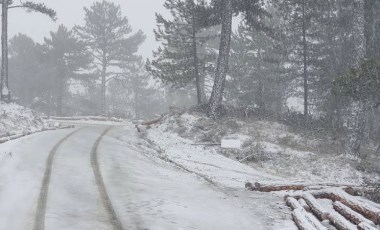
295	205
304	204
315	207
314	221
301	221
350	214
340	222
366	226
207	144
367	210
152	122
275	187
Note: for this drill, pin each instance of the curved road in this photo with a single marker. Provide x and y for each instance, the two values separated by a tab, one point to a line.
94	178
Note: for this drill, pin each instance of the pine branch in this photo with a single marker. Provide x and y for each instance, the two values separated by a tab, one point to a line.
37	7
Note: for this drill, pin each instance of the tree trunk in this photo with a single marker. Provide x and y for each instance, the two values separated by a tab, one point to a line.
260	96
356	128
369	28
195	56
378	150
5	96
60	96
223	58
103	88
304	44
203	88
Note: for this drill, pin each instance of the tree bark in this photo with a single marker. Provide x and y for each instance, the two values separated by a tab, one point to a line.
304	44
223	58
349	214
4	54
103	88
273	187
369	28
60	95
195	55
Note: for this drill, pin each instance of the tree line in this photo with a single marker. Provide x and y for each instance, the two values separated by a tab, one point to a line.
323	52
89	69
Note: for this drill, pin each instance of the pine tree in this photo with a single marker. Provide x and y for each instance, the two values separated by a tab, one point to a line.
67	55
109	37
254	13
6	5
177	61
27	75
258	75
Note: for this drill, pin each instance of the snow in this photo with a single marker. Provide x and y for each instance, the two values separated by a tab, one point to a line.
147	192
269	147
15	120
206	162
160	196
234	141
22	165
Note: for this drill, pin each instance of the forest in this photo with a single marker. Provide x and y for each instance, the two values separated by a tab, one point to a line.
313	65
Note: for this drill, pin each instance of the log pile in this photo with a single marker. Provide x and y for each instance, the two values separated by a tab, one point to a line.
331	205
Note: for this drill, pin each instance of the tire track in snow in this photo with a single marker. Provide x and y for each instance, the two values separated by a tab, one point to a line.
113	218
39	219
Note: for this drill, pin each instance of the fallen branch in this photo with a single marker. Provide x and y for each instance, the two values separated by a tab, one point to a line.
207	144
152	122
272	187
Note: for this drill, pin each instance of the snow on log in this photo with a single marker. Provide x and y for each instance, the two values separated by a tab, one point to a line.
340	222
152	122
367	210
366	226
293	203
299	217
349	214
304	204
314	221
273	187
315	207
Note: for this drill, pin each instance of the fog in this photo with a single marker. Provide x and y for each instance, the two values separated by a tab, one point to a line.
140	13
190	114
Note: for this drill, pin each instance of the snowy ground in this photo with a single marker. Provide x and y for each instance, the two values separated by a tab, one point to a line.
15	119
146	189
265	149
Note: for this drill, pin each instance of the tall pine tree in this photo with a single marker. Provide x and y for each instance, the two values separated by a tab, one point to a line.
66	56
178	61
109	37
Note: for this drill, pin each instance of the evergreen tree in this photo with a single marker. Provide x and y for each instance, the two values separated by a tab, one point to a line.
109	37
258	75
29	76
178	61
6	5
66	55
254	13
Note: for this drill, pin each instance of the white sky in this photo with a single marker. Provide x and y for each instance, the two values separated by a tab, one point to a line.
141	15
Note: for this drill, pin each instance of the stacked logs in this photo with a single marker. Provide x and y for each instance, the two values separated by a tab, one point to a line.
347	211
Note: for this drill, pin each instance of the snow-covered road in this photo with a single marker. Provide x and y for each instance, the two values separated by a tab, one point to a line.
132	188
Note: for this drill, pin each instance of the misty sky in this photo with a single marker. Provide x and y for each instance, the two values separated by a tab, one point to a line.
141	15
